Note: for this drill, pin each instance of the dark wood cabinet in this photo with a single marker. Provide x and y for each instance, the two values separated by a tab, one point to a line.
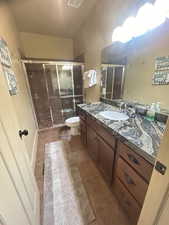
127	201
127	173
83	132
92	143
106	159
132	181
143	167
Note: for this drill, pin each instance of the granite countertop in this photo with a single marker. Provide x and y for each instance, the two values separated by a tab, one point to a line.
141	135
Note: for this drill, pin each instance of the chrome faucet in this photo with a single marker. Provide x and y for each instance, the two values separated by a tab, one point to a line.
130	111
123	107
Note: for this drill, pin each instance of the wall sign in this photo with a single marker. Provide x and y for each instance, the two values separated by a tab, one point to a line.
5	60
161	74
11	80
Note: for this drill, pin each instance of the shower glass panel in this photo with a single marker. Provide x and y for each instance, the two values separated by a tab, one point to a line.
54	94
56	89
112	81
65	79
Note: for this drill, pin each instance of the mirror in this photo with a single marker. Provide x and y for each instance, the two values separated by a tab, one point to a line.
112	81
145	64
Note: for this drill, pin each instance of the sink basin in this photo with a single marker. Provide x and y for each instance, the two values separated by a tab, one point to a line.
112	115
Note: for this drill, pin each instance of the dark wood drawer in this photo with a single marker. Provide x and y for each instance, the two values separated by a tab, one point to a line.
137	162
133	182
109	138
128	203
101	131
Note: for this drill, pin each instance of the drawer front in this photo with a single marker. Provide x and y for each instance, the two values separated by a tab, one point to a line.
103	133
140	164
133	182
128	203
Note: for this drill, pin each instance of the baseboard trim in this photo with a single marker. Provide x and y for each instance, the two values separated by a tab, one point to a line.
55	126
34	150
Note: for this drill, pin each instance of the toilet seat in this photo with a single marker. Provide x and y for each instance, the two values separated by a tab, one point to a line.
73	121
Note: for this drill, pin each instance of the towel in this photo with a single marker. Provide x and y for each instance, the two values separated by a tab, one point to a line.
90	78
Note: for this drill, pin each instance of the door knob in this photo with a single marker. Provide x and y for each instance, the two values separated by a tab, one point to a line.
23	132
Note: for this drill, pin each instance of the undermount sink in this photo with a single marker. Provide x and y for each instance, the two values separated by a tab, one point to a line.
112	115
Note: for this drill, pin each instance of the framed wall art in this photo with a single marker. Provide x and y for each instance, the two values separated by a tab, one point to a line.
161	74
11	80
5	57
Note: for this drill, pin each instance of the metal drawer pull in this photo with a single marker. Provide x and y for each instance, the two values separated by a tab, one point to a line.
133	159
128	179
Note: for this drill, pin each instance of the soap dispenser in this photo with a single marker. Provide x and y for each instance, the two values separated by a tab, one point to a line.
158	106
151	112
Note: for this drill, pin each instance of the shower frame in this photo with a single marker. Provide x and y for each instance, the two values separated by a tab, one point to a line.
55	63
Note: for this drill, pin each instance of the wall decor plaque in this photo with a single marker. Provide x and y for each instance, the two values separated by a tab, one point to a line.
161	74
11	80
5	57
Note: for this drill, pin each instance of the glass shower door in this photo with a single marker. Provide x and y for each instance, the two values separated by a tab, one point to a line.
66	84
54	94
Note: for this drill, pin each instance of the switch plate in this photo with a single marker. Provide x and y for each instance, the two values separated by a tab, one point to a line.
160	167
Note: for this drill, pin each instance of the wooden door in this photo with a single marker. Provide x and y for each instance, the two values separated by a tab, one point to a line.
11	209
14	154
106	159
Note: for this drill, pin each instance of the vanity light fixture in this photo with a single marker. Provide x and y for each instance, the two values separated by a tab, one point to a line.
163	7
148	17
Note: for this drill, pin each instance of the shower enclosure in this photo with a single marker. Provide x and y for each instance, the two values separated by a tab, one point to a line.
56	88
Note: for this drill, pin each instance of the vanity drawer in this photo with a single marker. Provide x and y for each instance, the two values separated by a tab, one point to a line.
128	203
101	131
106	135
137	162
132	181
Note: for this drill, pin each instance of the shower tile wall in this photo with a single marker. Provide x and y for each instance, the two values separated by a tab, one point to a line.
62	90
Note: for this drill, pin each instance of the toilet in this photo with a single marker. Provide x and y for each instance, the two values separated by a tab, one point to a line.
73	123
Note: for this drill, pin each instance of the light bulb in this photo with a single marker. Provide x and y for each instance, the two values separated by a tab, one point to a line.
163	7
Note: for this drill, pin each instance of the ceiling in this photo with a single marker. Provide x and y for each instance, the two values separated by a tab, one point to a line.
50	17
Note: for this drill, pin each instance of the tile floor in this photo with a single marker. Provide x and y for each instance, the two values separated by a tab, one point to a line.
105	206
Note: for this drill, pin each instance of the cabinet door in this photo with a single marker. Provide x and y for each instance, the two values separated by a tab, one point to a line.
106	159
92	144
83	132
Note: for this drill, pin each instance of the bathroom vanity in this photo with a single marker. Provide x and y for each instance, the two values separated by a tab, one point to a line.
124	152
